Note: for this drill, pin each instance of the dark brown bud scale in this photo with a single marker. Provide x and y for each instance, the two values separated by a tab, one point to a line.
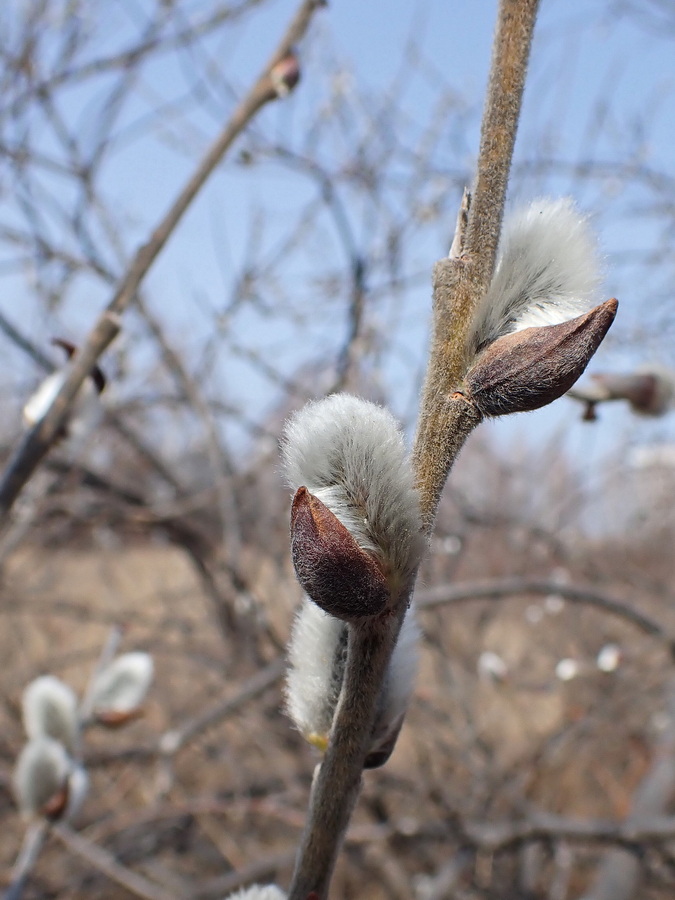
70	350
527	369
337	574
56	805
379	754
115	718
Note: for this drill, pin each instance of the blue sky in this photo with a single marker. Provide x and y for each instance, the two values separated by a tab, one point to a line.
601	87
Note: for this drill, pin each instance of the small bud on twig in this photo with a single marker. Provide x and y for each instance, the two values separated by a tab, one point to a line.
285	75
47	782
547	271
349	454
86	412
650	391
527	369
119	690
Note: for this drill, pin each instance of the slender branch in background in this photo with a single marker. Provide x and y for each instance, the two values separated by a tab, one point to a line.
106	863
499	836
172	741
106	656
33	842
494	589
16	336
38	441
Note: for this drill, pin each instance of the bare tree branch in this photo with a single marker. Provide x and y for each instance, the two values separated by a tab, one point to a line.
38	441
494	589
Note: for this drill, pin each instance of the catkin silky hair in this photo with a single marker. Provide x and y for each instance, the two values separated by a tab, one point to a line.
547	271
350	455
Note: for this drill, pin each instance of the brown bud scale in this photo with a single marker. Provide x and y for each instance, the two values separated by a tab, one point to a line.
530	368
338	575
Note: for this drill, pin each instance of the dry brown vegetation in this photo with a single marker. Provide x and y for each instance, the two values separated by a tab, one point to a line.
474	752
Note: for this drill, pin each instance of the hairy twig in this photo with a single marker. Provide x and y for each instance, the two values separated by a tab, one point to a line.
38	441
338	780
463	278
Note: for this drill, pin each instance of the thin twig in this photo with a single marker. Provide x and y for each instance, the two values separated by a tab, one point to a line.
33	842
494	589
107	864
175	739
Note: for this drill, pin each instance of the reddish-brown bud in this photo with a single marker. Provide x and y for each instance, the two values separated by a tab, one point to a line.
115	718
530	368
338	575
285	75
56	805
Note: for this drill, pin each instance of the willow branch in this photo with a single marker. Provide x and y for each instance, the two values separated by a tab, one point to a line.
33	842
446	420
463	278
38	440
338	780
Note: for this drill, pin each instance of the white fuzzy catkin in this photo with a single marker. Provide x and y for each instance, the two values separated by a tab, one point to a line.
547	271
50	709
350	454
41	771
122	686
314	676
317	653
86	412
259	892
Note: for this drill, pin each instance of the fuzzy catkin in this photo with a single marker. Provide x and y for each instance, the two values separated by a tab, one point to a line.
547	271
259	892
317	654
314	676
50	710
350	454
42	770
123	685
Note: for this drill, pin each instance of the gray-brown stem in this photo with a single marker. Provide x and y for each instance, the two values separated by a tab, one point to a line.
461	280
338	781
